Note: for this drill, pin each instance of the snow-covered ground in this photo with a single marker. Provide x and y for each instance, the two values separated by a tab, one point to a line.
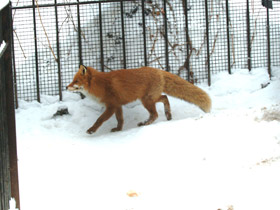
3	3
228	159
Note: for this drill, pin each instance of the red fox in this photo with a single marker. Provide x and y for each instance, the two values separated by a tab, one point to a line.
116	88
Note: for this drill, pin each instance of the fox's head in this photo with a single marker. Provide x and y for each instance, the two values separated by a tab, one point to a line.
80	79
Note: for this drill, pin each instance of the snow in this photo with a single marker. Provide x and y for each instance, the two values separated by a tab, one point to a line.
13	204
2	47
3	3
227	159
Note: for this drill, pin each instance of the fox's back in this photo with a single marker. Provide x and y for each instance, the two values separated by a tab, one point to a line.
132	84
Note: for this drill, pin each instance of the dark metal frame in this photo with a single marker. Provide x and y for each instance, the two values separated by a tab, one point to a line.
9	187
268	42
248	37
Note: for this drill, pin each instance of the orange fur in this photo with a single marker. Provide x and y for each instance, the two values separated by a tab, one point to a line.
120	87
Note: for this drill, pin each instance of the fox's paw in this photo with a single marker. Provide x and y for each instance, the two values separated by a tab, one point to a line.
116	129
168	115
90	131
141	124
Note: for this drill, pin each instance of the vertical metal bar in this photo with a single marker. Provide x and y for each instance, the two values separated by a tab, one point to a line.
58	53
10	108
228	37
101	38
36	52
248	37
166	37
268	42
5	180
123	36
14	61
144	33
207	38
187	37
79	33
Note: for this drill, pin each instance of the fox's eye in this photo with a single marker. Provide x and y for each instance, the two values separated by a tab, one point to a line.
76	81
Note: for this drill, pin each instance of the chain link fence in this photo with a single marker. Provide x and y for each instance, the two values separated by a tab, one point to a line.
194	39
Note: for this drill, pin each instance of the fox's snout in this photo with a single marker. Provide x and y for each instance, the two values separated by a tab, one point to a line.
68	87
74	87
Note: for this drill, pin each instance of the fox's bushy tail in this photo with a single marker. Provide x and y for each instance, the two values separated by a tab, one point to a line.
180	88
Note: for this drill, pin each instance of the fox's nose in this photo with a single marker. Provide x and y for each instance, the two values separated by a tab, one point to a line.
66	87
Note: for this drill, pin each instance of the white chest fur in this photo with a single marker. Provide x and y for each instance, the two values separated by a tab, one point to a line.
92	97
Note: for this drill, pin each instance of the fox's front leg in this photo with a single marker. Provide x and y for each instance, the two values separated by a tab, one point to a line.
105	116
119	116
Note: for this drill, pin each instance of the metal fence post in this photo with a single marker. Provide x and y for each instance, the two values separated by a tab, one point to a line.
144	32
207	38
5	179
58	54
79	33
14	59
10	107
166	36
187	62
123	36
268	42
228	37
248	36
101	37
36	51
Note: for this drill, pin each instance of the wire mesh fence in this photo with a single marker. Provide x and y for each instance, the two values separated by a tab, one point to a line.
194	39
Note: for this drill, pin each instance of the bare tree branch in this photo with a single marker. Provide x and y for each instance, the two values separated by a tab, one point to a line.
19	44
50	47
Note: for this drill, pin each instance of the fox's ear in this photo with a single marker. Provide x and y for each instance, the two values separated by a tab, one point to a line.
84	69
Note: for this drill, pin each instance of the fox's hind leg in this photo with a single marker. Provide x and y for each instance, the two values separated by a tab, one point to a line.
167	109
151	107
119	116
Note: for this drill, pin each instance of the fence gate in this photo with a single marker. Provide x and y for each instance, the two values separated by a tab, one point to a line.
8	151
